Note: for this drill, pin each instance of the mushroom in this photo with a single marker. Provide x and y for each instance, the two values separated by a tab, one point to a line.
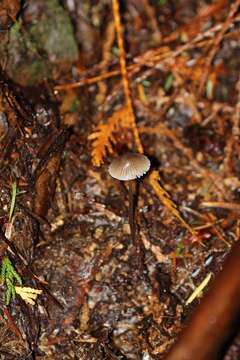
127	167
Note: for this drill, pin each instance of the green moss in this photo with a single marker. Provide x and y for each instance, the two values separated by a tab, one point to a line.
33	52
30	75
24	65
53	33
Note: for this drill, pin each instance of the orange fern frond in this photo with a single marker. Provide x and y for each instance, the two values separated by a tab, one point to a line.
124	74
167	201
102	143
103	136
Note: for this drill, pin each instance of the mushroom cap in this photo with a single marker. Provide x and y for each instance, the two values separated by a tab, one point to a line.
129	166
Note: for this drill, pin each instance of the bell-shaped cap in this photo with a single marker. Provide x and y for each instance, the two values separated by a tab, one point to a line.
129	166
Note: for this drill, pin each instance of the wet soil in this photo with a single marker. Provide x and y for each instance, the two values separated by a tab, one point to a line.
70	233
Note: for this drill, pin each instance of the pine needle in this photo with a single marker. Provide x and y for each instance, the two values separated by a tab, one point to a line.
198	291
167	201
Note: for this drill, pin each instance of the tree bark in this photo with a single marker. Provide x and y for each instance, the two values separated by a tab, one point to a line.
211	325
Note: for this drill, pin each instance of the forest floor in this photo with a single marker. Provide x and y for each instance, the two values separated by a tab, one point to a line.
64	220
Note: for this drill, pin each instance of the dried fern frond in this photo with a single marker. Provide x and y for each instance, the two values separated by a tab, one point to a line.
103	136
167	201
124	74
102	143
28	294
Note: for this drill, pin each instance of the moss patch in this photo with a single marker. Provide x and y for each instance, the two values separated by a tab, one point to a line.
33	50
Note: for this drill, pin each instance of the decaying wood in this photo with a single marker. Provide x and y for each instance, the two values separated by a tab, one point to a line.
47	172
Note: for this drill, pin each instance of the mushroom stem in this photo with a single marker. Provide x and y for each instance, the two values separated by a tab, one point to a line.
129	167
132	212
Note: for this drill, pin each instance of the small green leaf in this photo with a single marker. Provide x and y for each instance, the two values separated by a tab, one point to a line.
13	200
168	82
179	249
209	89
162	2
115	50
146	83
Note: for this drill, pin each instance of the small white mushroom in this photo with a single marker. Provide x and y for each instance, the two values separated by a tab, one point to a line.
129	166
